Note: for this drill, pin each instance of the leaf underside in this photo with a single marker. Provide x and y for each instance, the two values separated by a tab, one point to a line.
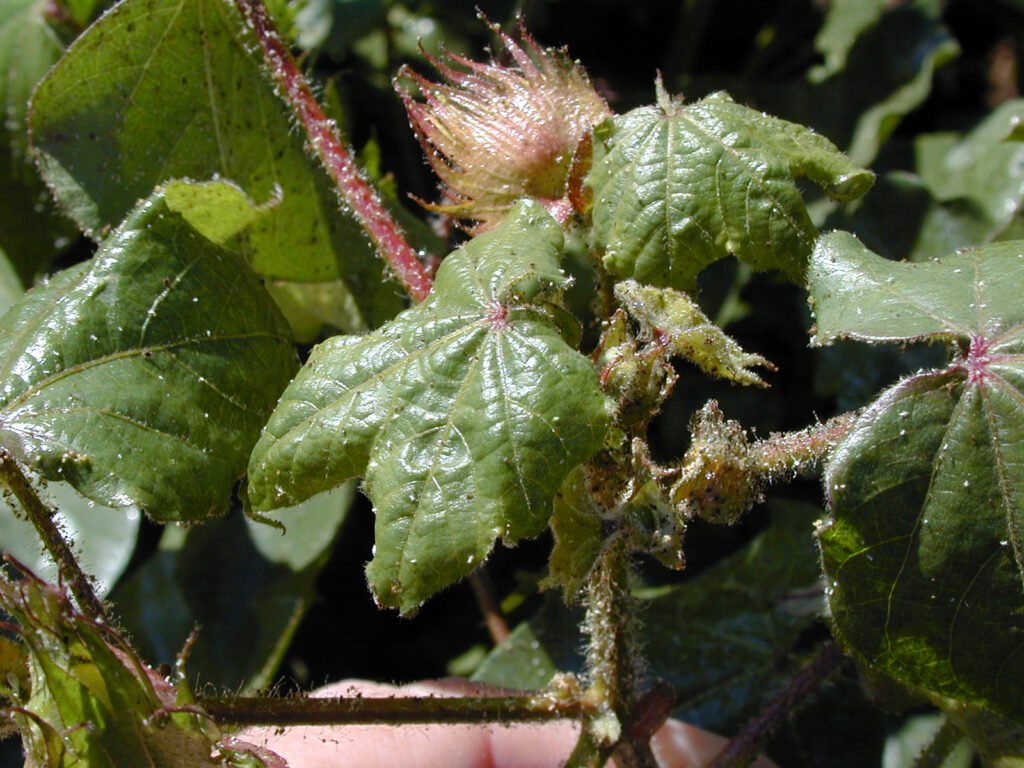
679	189
464	414
136	354
924	551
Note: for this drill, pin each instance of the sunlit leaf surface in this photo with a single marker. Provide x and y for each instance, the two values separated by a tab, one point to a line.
164	344
679	187
464	414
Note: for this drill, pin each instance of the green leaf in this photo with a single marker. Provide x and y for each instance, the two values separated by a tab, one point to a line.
845	21
104	538
137	354
978	177
679	187
924	551
966	191
736	621
92	703
29	231
465	414
174	89
11	288
687	332
521	662
245	584
857	294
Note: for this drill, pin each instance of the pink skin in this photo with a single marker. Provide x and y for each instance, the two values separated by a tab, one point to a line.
676	745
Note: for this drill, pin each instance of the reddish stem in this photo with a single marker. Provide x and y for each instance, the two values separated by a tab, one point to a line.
742	750
355	191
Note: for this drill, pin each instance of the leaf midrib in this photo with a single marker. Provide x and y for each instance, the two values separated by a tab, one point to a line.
77	368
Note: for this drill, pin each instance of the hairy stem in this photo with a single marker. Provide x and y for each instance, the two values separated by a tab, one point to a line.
355	191
393	710
41	516
742	750
613	665
785	454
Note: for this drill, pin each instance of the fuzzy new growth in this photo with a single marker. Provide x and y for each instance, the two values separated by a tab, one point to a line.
495	134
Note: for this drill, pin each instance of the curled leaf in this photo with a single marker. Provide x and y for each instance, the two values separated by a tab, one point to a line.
673	320
679	187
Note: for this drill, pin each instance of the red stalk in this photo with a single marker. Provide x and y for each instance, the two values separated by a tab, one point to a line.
355	191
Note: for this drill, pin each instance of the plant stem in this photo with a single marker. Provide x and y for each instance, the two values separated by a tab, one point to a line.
784	455
612	664
355	191
392	710
742	750
946	739
483	590
41	517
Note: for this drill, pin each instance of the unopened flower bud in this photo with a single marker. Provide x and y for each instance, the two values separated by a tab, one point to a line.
495	134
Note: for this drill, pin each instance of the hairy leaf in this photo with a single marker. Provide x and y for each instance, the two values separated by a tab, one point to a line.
674	319
679	187
29	230
165	344
576	526
924	550
92	703
856	294
464	413
173	89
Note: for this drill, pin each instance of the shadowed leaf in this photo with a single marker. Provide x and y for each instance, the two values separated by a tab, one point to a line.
924	549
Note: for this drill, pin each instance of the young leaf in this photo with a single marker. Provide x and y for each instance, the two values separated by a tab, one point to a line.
165	344
674	319
576	527
173	89
92	703
679	187
465	414
924	550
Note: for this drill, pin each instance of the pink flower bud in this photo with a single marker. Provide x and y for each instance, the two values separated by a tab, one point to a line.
495	134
